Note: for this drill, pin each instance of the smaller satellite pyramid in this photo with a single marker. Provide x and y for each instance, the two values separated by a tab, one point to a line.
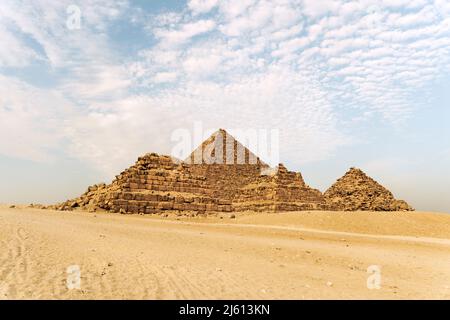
154	184
282	191
357	191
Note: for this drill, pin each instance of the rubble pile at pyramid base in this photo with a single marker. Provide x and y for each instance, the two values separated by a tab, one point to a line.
356	191
159	184
93	199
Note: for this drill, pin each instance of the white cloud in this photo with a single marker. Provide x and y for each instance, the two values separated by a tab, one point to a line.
98	81
355	50
262	17
315	9
32	120
233	8
290	46
286	33
185	33
202	6
201	66
13	52
163	77
425	16
45	22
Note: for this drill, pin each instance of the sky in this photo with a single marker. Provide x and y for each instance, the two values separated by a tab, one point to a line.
88	86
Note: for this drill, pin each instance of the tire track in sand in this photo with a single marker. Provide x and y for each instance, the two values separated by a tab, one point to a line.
15	261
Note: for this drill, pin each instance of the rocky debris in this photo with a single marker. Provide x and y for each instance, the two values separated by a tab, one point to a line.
37	206
357	191
94	199
225	215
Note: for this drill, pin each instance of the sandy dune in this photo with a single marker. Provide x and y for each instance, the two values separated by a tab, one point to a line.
255	256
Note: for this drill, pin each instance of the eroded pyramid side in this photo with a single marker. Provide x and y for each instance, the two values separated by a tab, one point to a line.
282	191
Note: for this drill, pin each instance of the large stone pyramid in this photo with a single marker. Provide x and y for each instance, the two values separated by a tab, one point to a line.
357	191
222	175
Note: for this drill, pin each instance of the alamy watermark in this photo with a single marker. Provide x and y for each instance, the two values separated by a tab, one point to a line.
73	21
73	280
374	280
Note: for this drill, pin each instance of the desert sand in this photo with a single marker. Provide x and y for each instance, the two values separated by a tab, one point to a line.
295	255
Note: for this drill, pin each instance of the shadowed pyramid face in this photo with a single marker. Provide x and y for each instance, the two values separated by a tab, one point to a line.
223	148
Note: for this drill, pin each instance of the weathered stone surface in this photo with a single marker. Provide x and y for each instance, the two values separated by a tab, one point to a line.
357	191
282	191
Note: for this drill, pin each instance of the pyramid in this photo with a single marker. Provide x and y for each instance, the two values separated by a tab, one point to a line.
222	176
357	191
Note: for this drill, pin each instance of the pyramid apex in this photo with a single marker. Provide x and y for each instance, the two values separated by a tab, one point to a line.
222	148
355	170
221	130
